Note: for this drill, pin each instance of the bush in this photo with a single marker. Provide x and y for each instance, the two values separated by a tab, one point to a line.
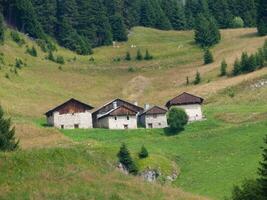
208	57
197	79
16	38
60	60
91	59
143	153
139	55
126	160
237	22
51	56
148	56
128	56
7	134
177	119
32	51
131	69
18	63
223	68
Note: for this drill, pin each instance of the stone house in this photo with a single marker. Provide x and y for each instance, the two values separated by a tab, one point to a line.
190	103
70	115
117	114
154	117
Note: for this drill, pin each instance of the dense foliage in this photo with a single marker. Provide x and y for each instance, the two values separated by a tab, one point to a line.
7	134
262	17
83	24
2	30
177	119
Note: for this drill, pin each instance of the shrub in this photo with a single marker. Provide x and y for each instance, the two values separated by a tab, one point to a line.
177	119
91	59
237	22
148	56
7	76
116	59
18	63
60	60
131	69
208	57
197	79
16	38
139	55
60	68
51	56
32	51
126	160
143	153
223	68
187	80
128	56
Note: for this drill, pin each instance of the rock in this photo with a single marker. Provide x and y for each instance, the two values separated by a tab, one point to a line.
122	168
150	175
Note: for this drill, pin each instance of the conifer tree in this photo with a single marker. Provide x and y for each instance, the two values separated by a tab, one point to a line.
139	55
143	153
206	32
126	160
147	14
8	141
131	12
262	17
208	57
118	28
237	68
2	29
148	56
128	56
223	68
197	78
263	171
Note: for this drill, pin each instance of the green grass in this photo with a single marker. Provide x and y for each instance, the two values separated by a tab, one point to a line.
212	155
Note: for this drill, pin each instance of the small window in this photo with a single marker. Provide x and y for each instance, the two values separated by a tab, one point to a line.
159	124
128	118
62	126
126	126
150	125
115	118
76	126
154	116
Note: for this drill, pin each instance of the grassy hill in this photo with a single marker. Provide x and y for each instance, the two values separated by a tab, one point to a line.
211	156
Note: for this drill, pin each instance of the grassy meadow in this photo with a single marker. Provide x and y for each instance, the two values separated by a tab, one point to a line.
210	156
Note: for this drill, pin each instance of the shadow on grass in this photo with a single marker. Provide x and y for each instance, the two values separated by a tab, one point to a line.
250	35
172	132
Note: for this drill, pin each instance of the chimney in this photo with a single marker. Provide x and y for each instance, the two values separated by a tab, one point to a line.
115	105
147	106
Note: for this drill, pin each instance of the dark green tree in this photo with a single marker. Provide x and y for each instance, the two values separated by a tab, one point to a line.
262	17
118	28
143	153
263	171
147	14
207	33
128	56
8	141
131	12
197	78
139	55
237	68
126	160
223	68
177	119
148	56
208	57
2	29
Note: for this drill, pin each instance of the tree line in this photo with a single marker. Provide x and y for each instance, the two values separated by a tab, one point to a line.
81	25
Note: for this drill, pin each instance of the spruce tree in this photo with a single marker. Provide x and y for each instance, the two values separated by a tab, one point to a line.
263	171
139	55
223	68
197	78
126	160
208	57
2	29
143	153
131	12
262	17
147	14
237	68
206	32
128	56
148	56
118	28
8	141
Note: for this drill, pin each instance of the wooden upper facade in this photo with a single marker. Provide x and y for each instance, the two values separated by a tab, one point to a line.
70	106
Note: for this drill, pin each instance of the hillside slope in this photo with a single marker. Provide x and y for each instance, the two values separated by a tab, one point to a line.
233	124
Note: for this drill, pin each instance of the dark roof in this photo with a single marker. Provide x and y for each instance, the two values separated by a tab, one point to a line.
185	99
69	101
154	110
119	111
138	108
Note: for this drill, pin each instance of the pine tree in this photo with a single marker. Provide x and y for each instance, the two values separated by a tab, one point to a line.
139	55
208	57
206	33
223	68
2	29
147	14
128	56
8	141
126	160
262	17
197	79
131	12
118	28
148	56
237	68
143	153
263	171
